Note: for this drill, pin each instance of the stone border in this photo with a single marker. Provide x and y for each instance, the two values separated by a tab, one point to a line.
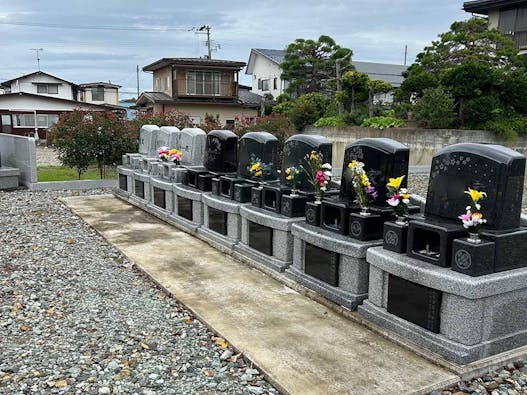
73	185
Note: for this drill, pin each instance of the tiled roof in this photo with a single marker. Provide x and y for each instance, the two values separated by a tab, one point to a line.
158	97
483	6
108	84
392	73
276	55
8	82
193	61
249	98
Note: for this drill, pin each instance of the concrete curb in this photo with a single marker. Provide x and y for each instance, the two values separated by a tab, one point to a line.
72	185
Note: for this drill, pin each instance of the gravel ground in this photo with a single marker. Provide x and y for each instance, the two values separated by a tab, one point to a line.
47	156
76	318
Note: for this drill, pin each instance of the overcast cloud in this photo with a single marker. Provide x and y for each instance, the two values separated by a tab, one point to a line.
376	30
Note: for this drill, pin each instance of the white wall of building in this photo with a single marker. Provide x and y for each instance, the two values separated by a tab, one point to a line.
31	103
111	96
265	69
28	85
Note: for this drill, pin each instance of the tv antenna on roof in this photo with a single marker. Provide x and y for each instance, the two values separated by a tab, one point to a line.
37	50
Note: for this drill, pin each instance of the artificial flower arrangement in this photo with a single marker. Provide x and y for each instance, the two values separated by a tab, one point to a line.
365	192
399	198
259	169
319	174
170	154
293	176
473	218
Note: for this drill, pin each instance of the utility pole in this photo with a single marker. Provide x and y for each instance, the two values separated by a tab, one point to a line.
339	80
205	29
137	72
37	50
405	53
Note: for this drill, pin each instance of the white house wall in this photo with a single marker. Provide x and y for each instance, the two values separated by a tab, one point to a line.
111	96
28	103
28	85
265	69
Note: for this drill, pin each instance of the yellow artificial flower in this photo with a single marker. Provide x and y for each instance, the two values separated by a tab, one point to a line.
477	215
475	195
406	196
352	164
289	178
395	182
173	151
288	171
365	180
255	167
258	173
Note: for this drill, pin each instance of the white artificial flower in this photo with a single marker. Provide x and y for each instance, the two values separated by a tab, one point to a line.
326	166
323	189
478	206
403	191
328	174
406	201
468	208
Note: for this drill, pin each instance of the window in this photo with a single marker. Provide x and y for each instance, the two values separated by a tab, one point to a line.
52	119
265	85
157	84
42	121
25	120
51	89
229	123
275	83
97	93
203	83
259	84
196	119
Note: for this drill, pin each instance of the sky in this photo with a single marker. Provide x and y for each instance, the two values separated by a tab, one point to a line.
78	47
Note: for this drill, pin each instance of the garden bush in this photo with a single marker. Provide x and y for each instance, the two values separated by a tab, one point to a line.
435	109
336	121
383	122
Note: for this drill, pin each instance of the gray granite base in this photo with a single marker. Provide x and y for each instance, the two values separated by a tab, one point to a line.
166	186
9	177
145	178
282	256
479	316
128	172
197	210
232	208
353	271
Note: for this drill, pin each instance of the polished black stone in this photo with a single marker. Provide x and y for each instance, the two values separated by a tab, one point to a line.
123	182
430	240
192	175
215	186
313	213
262	145
242	192
139	189
160	198
322	264
227	185
184	208
395	237
295	150
256	196
511	249
365	227
334	215
261	238
415	303
294	206
272	197
383	158
205	182
473	259
218	221
497	170
221	151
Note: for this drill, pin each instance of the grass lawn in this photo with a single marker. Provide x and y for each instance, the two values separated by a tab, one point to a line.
63	173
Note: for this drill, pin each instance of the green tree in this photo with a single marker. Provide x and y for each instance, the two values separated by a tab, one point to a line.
435	109
309	65
307	109
355	84
376	87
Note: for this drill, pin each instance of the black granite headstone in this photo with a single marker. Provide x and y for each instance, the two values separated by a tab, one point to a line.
261	238
322	264
414	303
139	189
261	145
184	207
160	198
123	182
218	221
221	152
497	170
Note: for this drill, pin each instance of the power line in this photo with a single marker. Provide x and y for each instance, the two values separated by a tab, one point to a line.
93	27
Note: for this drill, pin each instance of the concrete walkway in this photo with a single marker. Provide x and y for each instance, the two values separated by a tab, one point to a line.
303	347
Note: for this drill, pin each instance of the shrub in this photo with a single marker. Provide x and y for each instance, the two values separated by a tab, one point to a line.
336	121
283	108
508	128
435	109
383	122
480	110
401	110
357	116
169	118
211	123
307	109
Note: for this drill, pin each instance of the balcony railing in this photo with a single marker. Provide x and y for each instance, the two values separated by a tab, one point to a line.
205	89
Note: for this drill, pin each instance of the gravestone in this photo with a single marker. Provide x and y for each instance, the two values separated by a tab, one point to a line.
296	148
156	137
383	159
173	136
252	146
192	145
221	152
494	169
145	138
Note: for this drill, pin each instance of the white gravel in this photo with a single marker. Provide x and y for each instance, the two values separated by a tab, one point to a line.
76	318
47	156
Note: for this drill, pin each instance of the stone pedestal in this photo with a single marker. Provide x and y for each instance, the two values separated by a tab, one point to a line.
188	211
473	259
221	221
462	318
242	192
330	264
395	237
365	227
161	198
266	238
313	213
9	177
140	195
125	175
178	175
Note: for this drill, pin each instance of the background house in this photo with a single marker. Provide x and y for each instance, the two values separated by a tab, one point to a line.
32	103
509	16
264	66
197	87
100	93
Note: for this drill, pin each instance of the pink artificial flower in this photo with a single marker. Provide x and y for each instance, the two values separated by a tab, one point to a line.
393	201
320	178
466	217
